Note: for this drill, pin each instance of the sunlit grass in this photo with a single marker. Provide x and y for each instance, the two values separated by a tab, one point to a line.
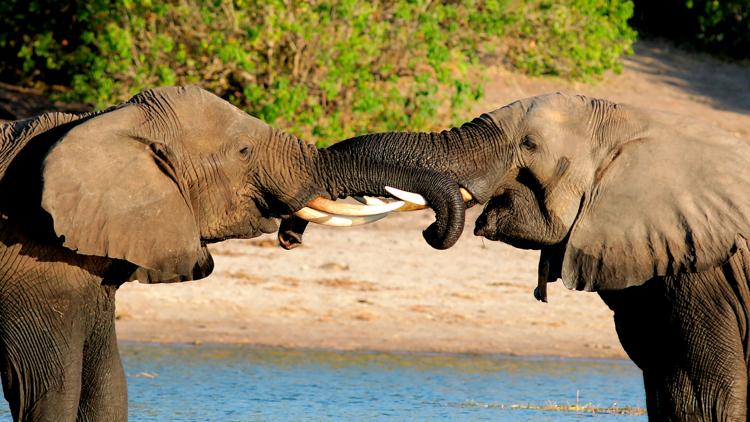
587	408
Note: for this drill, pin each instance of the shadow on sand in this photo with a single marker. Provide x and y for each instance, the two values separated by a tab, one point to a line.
723	85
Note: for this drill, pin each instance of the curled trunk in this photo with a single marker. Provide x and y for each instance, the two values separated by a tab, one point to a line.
465	154
342	174
435	165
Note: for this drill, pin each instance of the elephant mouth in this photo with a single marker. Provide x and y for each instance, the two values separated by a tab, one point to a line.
268	225
370	209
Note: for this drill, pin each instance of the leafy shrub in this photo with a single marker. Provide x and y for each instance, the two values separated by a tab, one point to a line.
720	27
324	69
573	38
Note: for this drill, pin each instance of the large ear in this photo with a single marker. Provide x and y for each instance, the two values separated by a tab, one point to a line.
663	205
111	192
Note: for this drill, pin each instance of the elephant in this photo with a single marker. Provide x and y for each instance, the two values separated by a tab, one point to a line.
137	192
651	214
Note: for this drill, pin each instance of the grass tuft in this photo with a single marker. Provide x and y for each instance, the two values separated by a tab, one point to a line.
556	407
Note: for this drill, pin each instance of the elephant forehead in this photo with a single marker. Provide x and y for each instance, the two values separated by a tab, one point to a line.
208	129
554	116
554	108
201	121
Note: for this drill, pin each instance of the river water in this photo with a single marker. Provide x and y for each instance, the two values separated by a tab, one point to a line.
238	383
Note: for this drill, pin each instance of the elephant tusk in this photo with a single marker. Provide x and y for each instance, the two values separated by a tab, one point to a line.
327	219
412	207
413	201
352	210
369	200
410	197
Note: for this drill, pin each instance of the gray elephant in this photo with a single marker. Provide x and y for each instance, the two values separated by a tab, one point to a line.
90	201
654	217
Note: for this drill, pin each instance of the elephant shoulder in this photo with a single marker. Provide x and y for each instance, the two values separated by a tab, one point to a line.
16	135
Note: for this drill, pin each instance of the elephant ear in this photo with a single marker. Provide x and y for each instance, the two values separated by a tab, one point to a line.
663	205
113	193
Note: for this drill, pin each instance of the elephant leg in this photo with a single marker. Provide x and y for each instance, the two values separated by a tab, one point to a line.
61	403
104	393
683	332
41	374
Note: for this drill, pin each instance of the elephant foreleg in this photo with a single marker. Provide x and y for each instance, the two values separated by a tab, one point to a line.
104	393
683	332
55	333
36	394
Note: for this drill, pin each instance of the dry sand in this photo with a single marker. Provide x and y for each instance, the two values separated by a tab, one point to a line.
381	287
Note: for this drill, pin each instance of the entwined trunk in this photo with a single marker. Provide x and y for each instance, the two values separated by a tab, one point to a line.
338	174
345	174
464	154
434	165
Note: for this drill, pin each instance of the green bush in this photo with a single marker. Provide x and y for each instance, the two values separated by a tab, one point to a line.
719	27
324	69
573	38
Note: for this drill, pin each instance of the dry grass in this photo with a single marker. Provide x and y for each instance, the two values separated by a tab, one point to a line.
556	407
263	243
349	284
588	408
244	277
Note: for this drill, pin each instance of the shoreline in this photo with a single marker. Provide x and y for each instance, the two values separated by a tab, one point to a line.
251	346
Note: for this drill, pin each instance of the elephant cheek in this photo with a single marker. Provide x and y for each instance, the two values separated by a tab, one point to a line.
486	225
489	223
268	225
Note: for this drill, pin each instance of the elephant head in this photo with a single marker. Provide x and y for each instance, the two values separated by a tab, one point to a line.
611	195
154	180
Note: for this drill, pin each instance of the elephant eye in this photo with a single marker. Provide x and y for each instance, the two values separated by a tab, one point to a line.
245	152
528	143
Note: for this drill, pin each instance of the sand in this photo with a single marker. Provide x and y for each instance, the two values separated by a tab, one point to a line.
381	287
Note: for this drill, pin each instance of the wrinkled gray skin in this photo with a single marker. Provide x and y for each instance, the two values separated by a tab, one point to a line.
88	202
653	217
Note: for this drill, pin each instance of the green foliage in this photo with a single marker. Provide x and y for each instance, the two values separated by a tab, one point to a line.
720	27
324	69
573	38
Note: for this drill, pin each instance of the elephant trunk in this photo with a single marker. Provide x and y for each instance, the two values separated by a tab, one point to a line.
344	174
435	165
466	154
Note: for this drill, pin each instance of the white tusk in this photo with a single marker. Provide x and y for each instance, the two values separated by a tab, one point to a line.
409	205
369	200
410	197
352	210
466	195
412	207
327	219
415	201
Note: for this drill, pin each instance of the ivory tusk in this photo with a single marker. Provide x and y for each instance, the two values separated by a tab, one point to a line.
410	197
412	207
352	210
326	219
369	200
408	206
415	201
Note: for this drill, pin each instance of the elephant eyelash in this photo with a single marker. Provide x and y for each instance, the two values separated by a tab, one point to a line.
528	144
245	152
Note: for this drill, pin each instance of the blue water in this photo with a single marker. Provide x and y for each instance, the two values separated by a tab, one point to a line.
236	383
